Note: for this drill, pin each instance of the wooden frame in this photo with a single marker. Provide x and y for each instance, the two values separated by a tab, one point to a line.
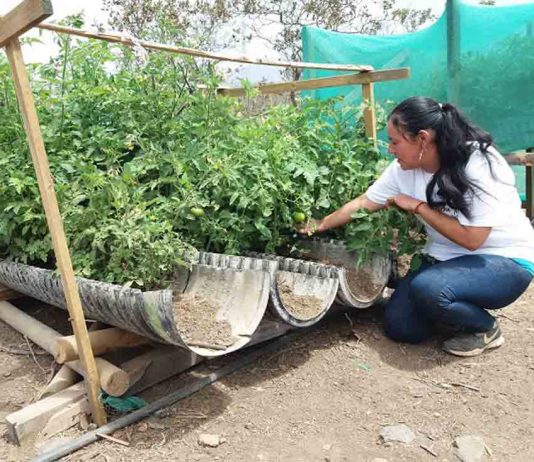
28	14
17	21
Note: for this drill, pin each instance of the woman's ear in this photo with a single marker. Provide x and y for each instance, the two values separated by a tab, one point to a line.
425	137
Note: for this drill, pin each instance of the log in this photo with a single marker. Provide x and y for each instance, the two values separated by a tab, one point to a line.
113	380
102	341
66	377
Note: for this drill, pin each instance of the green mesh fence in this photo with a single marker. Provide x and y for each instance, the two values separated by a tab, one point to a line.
478	57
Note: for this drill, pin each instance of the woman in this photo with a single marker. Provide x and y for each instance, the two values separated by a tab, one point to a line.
480	250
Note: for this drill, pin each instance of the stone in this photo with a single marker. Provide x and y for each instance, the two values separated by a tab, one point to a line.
155	424
397	433
142	427
470	448
212	441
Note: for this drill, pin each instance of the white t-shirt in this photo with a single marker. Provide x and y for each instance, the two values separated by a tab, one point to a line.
497	206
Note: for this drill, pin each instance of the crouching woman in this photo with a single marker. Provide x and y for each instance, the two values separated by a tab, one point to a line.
479	256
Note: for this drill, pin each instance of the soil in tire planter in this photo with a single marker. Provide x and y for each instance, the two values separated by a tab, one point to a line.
301	307
195	317
362	285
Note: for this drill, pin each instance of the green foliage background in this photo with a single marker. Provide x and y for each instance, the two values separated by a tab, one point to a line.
134	147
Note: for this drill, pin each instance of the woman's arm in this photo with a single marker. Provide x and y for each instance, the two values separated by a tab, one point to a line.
469	237
341	216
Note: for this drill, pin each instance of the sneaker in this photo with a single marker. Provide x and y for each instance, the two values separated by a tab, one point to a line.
474	344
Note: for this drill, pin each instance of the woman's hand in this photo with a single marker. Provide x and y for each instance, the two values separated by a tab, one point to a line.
310	227
404	202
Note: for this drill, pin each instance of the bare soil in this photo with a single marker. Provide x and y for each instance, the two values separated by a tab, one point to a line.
362	284
196	318
301	307
324	398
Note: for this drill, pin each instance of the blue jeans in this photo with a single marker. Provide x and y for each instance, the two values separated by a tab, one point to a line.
453	295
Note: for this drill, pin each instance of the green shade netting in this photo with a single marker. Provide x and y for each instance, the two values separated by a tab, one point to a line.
480	58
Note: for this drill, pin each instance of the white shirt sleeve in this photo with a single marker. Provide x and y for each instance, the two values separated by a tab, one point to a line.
386	186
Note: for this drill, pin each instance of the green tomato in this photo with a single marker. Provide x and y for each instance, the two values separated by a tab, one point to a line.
299	217
197	212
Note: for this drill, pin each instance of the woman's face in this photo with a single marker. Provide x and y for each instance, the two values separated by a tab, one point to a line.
406	149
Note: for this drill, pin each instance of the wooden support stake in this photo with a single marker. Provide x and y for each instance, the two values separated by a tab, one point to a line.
369	114
55	224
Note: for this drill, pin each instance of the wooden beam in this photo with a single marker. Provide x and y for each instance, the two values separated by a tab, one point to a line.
114	38
55	224
369	113
523	157
324	82
22	18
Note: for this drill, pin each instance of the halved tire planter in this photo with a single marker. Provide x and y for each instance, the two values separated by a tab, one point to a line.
358	287
152	313
301	291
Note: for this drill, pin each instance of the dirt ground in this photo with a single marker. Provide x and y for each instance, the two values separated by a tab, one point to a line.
325	397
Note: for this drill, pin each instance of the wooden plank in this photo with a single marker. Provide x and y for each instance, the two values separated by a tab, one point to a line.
55	224
114	38
369	113
324	82
22	18
31	419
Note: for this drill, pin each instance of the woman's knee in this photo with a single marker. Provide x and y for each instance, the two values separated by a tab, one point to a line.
429	291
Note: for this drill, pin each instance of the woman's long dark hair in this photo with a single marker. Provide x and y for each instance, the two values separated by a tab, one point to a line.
456	138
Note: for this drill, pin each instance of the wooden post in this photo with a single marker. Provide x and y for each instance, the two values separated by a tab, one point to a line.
55	224
369	114
453	52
